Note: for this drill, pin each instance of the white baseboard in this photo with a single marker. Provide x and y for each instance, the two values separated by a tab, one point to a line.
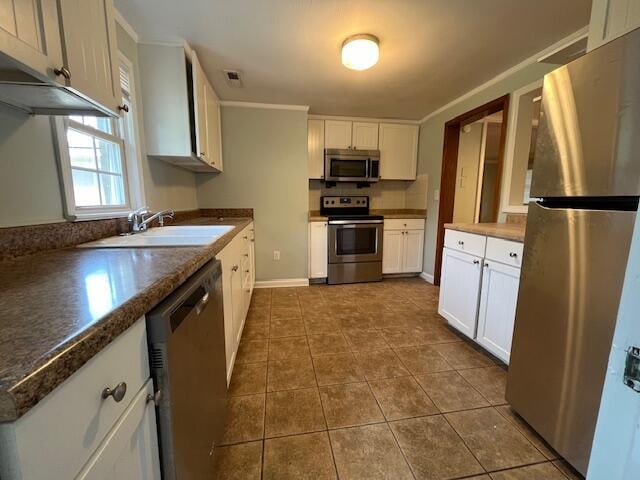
427	277
285	282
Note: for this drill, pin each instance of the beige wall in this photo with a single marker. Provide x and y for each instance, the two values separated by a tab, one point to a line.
382	195
432	136
265	168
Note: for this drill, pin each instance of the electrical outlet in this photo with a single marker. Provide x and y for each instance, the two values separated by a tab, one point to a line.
276	254
436	195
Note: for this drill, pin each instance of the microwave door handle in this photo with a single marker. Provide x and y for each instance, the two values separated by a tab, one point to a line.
368	169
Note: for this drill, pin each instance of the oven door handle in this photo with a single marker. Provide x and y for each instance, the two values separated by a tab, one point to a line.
355	222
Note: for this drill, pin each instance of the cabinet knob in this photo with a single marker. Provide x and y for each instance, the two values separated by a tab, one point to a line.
486	265
123	108
460	242
246	271
234	268
513	254
154	397
244	237
117	393
62	72
476	262
202	154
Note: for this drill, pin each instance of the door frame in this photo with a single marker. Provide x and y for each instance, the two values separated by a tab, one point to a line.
450	166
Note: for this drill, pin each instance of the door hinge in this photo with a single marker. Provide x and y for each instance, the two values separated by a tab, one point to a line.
632	369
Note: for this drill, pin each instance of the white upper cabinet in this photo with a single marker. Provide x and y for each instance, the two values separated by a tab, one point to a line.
398	146
611	19
364	136
90	49
337	134
315	148
181	109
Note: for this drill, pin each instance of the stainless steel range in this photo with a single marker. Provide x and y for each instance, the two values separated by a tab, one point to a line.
355	240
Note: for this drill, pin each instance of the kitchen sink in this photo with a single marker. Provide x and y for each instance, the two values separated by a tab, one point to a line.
174	236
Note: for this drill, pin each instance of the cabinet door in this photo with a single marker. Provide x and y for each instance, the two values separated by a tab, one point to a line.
227	273
214	137
29	33
337	134
90	49
200	109
459	290
315	148
398	151
498	308
318	249
365	136
393	251
413	246
130	450
237	300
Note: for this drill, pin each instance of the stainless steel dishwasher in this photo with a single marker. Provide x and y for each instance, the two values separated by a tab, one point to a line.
186	343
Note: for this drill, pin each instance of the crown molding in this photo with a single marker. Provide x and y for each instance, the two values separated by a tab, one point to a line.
363	119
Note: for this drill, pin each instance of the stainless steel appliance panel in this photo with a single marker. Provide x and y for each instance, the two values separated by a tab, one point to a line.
354	272
355	242
588	143
570	286
344	165
188	365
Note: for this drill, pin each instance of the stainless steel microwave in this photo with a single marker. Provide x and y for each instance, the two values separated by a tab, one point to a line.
345	165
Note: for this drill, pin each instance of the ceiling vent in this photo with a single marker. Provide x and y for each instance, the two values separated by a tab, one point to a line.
233	78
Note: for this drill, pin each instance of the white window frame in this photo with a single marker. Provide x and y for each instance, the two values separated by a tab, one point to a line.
127	134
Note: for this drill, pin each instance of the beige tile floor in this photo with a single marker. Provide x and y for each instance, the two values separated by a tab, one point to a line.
367	381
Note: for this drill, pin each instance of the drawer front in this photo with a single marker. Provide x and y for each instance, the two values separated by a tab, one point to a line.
404	224
504	251
465	242
57	437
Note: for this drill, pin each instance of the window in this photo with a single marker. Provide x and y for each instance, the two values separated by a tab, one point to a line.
99	160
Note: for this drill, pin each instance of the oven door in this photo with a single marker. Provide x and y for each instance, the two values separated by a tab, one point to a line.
351	241
346	168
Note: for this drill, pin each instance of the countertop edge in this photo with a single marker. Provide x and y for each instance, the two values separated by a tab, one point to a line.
506	231
69	357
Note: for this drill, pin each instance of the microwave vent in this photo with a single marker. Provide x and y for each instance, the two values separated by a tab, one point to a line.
233	78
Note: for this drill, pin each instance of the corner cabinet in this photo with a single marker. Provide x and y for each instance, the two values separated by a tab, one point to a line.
238	280
59	57
75	433
403	246
398	146
318	249
479	288
181	109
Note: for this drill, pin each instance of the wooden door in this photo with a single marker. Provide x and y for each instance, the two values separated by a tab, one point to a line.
498	298
315	148
459	290
393	251
398	151
365	135
337	134
90	49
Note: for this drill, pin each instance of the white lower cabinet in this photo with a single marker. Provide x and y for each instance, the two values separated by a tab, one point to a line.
74	431
479	290
459	290
318	249
498	299
403	246
238	278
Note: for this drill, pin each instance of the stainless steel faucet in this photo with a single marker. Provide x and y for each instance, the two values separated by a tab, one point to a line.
138	220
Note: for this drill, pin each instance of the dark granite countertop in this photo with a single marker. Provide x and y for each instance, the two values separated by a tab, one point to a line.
59	308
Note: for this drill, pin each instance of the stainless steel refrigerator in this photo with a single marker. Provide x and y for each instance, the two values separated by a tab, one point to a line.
586	182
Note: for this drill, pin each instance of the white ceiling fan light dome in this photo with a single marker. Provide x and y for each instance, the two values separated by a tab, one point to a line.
360	52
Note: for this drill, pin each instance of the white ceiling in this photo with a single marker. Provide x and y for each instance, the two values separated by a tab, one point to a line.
431	51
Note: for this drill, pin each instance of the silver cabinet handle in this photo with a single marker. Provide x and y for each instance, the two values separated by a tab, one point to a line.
460	242
117	393
513	254
154	397
476	262
123	108
234	268
62	72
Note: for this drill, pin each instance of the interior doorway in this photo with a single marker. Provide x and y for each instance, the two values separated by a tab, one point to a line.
472	160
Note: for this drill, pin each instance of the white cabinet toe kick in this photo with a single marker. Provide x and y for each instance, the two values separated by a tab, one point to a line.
479	288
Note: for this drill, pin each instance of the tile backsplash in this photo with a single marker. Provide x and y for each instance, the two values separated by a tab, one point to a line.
383	195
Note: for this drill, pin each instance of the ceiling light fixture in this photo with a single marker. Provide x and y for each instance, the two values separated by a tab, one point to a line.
360	52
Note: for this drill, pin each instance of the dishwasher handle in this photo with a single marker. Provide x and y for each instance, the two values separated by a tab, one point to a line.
201	304
194	304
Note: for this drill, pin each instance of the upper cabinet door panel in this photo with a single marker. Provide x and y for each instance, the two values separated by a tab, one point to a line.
337	134
88	30
200	109
213	128
365	136
398	151
29	33
315	148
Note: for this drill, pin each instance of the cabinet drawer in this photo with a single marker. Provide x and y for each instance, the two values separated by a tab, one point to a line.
57	437
504	251
465	242
404	224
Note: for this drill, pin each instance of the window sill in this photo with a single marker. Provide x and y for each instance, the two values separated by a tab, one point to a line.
86	216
